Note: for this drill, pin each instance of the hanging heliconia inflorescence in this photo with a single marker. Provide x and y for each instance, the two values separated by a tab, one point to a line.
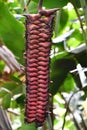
38	44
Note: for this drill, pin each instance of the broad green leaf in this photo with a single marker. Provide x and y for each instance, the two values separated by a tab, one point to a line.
68	84
15	7
61	55
53	3
82	58
9	85
15	79
31	126
77	80
13	104
76	24
3	93
70	125
6	101
76	3
64	17
21	101
75	39
18	89
14	87
59	71
2	65
72	13
33	7
5	0
11	32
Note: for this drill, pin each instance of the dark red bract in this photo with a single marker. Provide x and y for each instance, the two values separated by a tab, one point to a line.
38	44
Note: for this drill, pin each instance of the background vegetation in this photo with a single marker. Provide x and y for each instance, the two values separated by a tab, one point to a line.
68	86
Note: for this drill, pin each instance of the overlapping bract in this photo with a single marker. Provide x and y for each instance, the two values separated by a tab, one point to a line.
38	44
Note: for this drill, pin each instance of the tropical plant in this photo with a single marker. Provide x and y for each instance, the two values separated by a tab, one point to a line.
68	65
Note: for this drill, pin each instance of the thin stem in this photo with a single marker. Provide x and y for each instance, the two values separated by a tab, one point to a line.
57	22
52	118
44	127
40	5
75	122
50	113
84	6
50	122
83	122
4	120
64	121
26	6
12	112
78	15
67	109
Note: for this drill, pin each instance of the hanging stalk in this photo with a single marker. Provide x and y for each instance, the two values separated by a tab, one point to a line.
26	5
80	21
84	6
38	43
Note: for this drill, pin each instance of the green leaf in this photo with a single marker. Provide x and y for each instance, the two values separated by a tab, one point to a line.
9	85
76	3
59	71
53	3
2	65
61	55
18	89
21	100
68	84
64	17
15	79
6	101
13	104
33	7
11	32
75	39
30	126
77	80
14	87
3	93
82	58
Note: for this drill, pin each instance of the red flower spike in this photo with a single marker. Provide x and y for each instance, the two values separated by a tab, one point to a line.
38	44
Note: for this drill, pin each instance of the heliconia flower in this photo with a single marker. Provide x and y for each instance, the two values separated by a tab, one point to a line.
38	45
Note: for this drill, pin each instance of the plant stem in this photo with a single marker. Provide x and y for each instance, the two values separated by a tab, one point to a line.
26	6
12	112
67	108
83	122
4	120
50	126
78	15
57	22
84	6
75	122
40	5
